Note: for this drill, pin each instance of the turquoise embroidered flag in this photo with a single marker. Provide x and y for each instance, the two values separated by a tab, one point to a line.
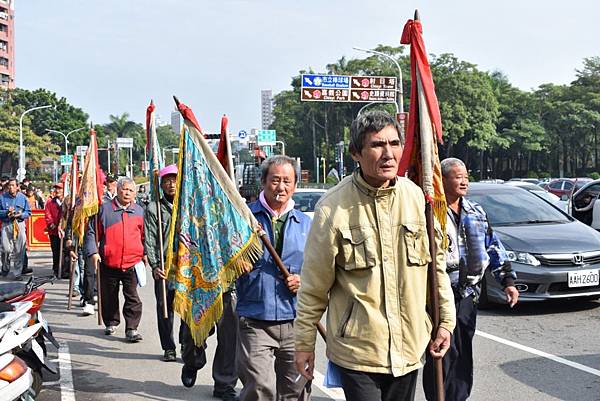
213	235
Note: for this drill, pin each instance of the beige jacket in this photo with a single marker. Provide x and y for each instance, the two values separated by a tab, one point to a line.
365	261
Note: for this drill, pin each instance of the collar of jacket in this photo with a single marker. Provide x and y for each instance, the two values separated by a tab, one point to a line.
256	207
467	206
167	204
373	192
117	206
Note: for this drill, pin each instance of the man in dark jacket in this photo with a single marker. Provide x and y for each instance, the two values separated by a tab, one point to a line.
116	248
52	215
152	248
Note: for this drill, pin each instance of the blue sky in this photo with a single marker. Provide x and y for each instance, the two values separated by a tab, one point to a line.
113	56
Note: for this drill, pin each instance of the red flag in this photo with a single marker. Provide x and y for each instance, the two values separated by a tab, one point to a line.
149	112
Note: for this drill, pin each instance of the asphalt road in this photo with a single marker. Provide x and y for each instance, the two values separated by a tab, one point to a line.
534	352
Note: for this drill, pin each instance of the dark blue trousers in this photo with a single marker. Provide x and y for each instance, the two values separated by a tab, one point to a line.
458	361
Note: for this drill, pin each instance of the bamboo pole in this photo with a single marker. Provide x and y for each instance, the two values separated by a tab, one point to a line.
160	245
426	138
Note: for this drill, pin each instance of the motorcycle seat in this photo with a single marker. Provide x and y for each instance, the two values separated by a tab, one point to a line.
10	290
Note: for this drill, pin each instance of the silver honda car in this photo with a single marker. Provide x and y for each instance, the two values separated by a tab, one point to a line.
554	255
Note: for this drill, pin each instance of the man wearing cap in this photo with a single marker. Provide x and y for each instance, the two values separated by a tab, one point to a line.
153	250
14	210
52	215
111	189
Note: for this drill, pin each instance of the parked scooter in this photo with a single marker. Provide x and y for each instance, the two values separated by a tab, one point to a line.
16	378
33	353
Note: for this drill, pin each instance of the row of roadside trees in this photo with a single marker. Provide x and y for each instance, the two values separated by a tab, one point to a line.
499	130
40	143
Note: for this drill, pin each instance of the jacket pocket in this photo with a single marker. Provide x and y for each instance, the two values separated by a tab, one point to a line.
250	288
359	248
347	320
417	244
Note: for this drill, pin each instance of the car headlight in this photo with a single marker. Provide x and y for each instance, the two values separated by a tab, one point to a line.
522	257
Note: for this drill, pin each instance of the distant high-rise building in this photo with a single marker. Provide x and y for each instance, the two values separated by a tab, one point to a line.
266	106
176	122
7	44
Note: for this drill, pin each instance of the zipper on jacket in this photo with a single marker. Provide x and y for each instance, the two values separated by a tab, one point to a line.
346	320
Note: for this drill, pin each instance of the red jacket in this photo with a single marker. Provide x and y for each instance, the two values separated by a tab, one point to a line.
120	234
52	215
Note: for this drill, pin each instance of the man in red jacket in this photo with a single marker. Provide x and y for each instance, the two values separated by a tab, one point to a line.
52	215
116	247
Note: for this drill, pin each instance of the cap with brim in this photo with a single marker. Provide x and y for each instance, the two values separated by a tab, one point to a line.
170	169
58	185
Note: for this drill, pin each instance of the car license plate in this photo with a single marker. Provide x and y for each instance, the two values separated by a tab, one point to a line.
584	278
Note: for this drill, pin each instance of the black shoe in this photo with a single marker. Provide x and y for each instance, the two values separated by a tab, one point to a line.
170	356
27	271
188	376
226	395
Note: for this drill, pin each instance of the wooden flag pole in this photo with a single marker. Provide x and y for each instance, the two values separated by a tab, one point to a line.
72	268
285	272
98	280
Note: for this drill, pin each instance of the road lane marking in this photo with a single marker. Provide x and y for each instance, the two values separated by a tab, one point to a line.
67	392
543	354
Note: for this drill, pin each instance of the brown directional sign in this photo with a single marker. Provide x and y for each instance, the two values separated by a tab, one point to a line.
372	95
373	82
323	94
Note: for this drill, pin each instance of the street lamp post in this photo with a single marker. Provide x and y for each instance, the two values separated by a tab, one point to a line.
282	146
66	136
21	170
399	93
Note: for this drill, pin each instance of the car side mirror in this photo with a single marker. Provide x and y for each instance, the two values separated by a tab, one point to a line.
564	197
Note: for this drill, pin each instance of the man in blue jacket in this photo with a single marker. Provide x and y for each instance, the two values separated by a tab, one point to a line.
266	301
14	210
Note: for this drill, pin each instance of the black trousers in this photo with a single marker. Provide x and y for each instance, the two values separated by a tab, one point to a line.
109	285
224	370
165	326
89	281
55	243
458	361
363	386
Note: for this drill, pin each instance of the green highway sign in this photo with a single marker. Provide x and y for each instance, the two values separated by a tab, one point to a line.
66	160
266	137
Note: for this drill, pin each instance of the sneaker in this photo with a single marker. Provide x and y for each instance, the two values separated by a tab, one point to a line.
27	271
133	336
75	294
170	356
88	310
110	330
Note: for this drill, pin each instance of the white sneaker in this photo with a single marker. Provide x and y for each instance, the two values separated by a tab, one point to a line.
88	310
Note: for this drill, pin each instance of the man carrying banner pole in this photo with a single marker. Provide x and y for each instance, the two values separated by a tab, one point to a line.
366	264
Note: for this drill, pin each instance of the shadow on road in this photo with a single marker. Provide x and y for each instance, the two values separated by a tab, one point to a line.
541	308
549	377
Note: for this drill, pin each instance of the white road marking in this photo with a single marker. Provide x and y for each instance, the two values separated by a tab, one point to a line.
67	392
543	354
335	393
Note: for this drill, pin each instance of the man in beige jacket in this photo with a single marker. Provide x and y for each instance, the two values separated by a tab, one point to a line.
366	262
